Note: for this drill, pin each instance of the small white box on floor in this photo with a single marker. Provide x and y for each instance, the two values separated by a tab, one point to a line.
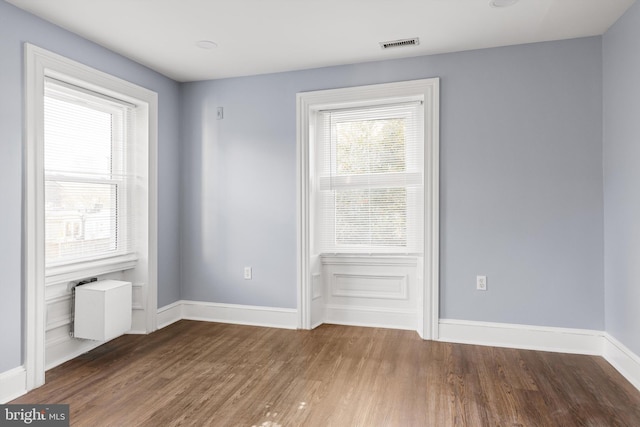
102	310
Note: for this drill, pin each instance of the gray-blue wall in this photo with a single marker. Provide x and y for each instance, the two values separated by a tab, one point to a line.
17	27
521	182
622	178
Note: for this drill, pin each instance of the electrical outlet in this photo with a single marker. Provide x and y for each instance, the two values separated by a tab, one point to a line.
481	283
247	273
220	113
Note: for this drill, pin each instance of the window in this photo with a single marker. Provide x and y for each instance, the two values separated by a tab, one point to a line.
121	213
87	181
369	175
412	192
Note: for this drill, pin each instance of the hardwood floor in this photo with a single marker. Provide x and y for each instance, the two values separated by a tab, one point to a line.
208	374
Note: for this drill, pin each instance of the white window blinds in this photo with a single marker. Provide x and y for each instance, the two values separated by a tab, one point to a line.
369	179
87	176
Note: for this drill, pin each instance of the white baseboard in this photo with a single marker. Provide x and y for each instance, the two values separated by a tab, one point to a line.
286	318
577	341
370	317
624	360
169	314
563	340
13	384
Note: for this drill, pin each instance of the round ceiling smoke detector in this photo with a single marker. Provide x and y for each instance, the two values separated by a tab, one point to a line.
502	3
206	44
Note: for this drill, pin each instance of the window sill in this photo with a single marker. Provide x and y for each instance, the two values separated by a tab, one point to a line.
369	259
85	269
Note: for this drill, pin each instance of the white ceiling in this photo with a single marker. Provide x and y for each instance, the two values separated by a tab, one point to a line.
265	36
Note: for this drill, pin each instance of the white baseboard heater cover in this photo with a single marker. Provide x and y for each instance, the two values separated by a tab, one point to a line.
102	310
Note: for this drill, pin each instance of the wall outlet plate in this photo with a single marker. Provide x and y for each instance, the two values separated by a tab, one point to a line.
247	273
481	283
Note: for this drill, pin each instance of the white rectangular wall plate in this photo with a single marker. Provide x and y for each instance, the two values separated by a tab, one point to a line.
481	283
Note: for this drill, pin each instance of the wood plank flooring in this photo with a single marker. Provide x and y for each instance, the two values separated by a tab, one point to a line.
209	374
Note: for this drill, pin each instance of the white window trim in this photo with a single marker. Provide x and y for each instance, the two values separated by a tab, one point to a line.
40	63
428	91
84	269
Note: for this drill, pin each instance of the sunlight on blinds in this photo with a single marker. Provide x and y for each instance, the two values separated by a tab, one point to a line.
370	179
86	179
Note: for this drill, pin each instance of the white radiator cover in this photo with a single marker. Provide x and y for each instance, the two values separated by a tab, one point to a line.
102	310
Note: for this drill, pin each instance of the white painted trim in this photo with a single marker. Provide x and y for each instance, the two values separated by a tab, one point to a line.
562	340
64	349
34	273
303	224
61	319
137	296
430	308
625	361
371	317
286	318
38	63
368	261
339	286
169	314
428	91
66	273
13	384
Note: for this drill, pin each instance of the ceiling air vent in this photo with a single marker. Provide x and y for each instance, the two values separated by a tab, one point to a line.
400	43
